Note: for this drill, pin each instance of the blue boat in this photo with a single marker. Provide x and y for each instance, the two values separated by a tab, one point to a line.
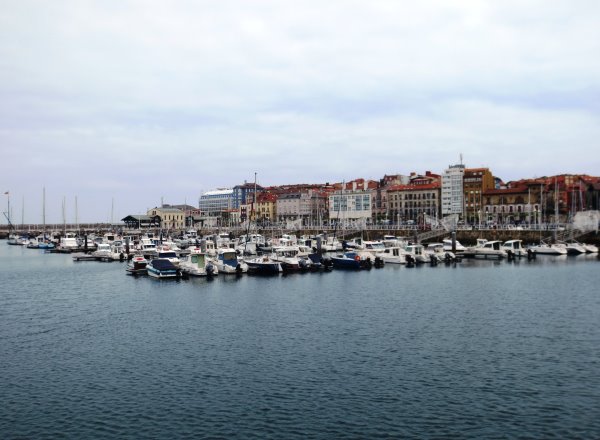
162	268
353	260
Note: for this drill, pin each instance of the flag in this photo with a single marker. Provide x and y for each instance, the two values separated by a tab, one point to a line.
6	193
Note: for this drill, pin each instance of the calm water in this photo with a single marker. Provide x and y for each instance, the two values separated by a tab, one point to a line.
481	350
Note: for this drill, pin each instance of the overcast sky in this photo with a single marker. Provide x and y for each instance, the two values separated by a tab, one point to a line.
138	100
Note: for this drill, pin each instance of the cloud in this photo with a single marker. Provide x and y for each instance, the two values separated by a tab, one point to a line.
180	97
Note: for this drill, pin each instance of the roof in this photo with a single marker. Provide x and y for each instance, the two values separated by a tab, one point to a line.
517	190
266	197
173	210
137	218
425	187
218	192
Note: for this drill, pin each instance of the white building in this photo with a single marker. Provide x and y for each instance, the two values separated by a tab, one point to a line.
212	203
452	190
350	206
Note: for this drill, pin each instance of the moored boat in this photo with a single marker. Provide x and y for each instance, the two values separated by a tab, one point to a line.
515	247
137	265
486	250
227	262
548	249
199	265
263	265
354	260
162	268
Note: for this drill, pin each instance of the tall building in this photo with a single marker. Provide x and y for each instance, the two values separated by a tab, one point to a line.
452	190
244	194
476	181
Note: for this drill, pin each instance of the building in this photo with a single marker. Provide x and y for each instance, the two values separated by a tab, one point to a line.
212	203
244	194
414	202
170	218
140	221
520	203
476	181
452	190
266	208
350	206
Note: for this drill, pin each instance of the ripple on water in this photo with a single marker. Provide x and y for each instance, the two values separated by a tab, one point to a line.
474	351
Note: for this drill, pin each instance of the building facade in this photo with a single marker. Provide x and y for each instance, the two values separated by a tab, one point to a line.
170	218
212	203
244	194
476	181
452	190
266	208
351	206
414	202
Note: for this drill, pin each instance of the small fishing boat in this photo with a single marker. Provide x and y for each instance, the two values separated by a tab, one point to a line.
137	265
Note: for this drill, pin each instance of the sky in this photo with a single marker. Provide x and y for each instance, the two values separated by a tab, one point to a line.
123	104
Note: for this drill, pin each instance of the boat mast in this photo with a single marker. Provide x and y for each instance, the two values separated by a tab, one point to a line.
23	213
76	215
555	201
529	207
44	210
63	216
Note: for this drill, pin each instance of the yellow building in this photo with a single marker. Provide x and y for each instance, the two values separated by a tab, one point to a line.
266	208
170	218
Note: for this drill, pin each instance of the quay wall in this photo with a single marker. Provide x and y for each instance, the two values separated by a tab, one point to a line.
465	236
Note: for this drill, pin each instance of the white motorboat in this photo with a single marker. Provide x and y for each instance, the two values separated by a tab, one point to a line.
103	252
416	252
247	244
287	256
147	246
373	247
548	249
198	264
486	250
590	248
448	245
393	255
227	262
169	255
69	242
438	251
516	247
574	248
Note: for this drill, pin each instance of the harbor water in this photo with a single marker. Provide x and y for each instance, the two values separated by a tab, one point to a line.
480	349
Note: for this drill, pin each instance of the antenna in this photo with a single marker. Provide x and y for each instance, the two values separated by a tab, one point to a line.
461	158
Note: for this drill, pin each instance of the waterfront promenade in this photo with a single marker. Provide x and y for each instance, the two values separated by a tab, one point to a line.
464	233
